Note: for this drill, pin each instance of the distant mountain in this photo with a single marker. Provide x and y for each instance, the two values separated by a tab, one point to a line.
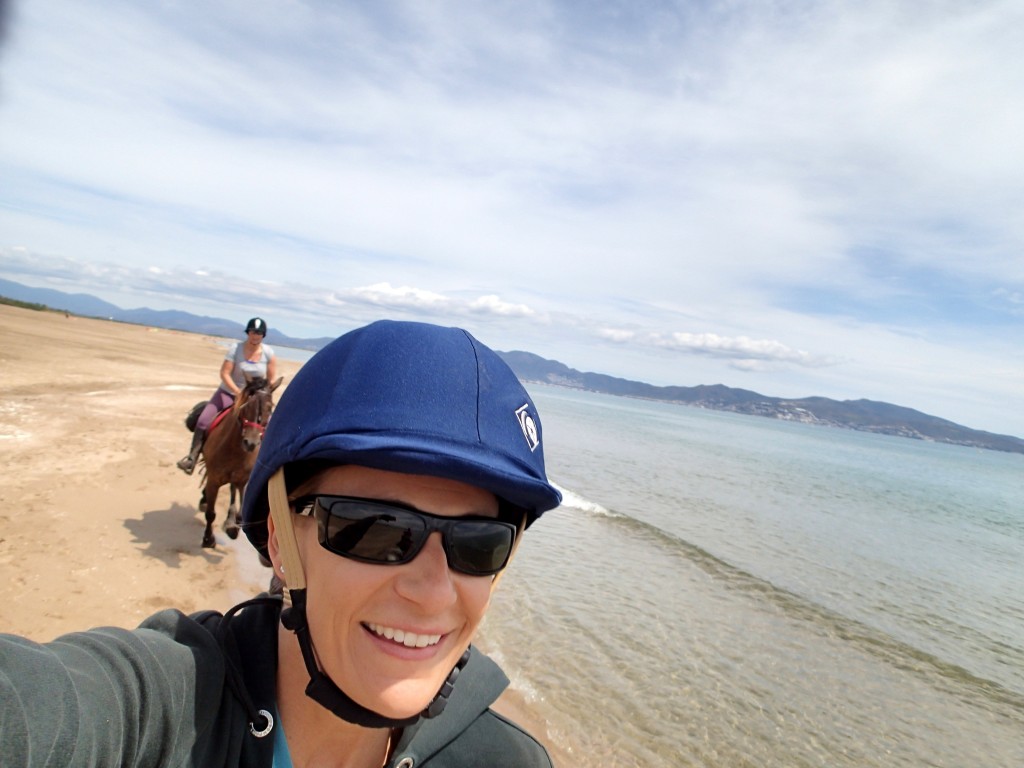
863	415
78	303
90	306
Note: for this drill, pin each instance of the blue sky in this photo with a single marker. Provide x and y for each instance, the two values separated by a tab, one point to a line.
799	198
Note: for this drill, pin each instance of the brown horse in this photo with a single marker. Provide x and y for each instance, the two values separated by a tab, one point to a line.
230	450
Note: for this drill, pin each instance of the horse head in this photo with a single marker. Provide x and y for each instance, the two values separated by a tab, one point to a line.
253	407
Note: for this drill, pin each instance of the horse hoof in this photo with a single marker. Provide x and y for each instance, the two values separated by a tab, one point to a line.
209	542
232	532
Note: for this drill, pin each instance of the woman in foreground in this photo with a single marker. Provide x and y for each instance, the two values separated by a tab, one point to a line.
398	471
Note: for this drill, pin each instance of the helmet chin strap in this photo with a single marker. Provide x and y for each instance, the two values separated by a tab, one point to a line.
321	688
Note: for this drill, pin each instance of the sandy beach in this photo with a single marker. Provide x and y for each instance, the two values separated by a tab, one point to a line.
97	525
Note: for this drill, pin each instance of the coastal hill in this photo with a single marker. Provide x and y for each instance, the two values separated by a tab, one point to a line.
88	305
864	415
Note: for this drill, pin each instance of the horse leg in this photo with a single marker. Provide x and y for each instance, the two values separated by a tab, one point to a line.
232	519
210	493
202	501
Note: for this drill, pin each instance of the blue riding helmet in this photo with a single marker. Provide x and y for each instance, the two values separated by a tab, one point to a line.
413	398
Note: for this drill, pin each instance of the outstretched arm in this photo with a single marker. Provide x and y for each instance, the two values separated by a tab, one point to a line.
104	697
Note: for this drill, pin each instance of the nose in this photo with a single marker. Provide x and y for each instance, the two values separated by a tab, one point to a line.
427	580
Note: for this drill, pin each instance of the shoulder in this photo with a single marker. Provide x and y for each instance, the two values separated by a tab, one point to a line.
268	351
232	351
496	742
182	628
468	732
174	633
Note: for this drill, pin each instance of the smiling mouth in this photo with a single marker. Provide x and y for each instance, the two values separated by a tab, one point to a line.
408	639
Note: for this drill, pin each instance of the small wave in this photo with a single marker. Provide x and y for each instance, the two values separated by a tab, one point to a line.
517	680
941	673
575	501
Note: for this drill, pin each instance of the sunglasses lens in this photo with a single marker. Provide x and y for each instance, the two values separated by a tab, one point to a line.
376	532
370	532
479	548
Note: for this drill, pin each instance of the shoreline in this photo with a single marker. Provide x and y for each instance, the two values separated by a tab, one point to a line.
98	527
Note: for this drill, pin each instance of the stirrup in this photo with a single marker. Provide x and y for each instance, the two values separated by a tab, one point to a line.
187	464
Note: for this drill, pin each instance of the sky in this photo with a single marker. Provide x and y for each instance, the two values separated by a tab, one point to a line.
799	198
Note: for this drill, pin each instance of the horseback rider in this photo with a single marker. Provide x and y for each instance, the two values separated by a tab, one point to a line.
251	357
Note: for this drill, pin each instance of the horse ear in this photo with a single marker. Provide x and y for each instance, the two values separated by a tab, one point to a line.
277	383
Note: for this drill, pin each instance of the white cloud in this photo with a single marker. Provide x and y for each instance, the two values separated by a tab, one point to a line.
811	190
405	296
745	352
617	335
492	304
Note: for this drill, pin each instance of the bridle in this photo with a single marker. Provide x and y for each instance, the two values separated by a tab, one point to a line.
260	398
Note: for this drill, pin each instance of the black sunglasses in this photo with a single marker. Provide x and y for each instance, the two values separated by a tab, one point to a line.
388	533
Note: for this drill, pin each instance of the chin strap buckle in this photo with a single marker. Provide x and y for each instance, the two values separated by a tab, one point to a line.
436	707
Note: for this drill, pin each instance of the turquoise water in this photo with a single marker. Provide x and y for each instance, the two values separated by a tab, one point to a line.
727	590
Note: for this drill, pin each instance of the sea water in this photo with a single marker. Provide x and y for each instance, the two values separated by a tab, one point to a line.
730	590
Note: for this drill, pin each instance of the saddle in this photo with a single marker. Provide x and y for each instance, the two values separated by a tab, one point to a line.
193	416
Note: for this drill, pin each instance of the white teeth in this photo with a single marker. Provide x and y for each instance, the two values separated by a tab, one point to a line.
408	639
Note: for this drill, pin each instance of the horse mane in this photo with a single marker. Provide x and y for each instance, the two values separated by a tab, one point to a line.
254	385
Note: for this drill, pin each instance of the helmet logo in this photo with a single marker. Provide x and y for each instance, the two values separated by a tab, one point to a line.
529	427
